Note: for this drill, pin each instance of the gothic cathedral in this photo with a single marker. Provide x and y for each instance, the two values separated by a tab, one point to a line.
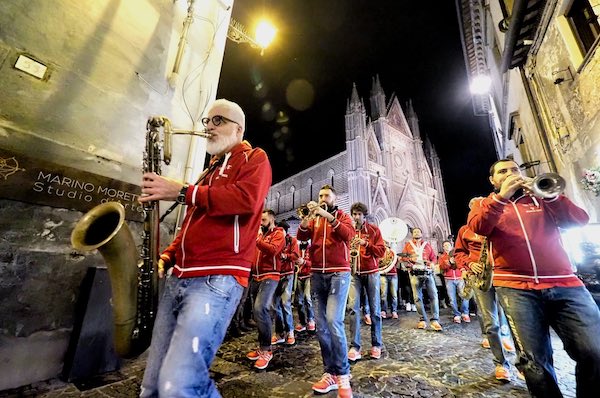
386	165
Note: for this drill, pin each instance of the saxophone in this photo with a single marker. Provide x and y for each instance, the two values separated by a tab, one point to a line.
132	272
482	281
354	252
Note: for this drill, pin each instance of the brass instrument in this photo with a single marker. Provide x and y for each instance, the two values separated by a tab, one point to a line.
354	252
303	211
388	261
482	281
546	185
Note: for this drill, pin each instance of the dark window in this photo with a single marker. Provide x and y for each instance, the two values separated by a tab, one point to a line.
584	24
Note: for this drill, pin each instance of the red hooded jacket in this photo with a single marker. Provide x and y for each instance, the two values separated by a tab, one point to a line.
467	247
267	263
304	270
368	259
423	249
329	247
525	242
289	255
218	234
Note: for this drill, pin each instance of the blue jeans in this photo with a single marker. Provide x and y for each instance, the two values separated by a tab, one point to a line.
329	296
305	306
575	318
418	282
191	321
263	293
372	284
389	285
282	303
454	287
491	314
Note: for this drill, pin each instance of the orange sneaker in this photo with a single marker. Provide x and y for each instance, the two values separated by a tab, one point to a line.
394	315
456	319
253	355
375	352
368	319
466	318
507	345
485	343
421	325
502	373
354	355
276	339
343	384
290	339
435	325
264	357
300	328
326	384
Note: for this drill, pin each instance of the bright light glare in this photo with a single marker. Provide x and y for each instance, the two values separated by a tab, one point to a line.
481	84
265	33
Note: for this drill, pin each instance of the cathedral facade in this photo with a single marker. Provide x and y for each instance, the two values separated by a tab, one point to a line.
386	165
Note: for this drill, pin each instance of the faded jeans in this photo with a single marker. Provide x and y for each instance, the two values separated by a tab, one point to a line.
491	315
454	287
389	286
282	303
418	282
575	318
263	293
305	305
329	295
371	283
191	321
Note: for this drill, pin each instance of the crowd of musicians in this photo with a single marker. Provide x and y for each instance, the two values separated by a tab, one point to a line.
224	276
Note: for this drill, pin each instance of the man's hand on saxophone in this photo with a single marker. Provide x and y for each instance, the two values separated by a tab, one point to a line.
156	187
476	268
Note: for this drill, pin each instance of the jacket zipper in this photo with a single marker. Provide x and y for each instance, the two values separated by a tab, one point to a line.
533	264
236	234
185	230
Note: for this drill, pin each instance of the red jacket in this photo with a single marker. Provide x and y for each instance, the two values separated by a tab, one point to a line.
525	243
329	242
446	266
467	247
289	255
423	251
304	270
368	260
267	263
218	234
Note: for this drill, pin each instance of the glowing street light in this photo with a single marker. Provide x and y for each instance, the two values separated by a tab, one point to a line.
265	33
481	84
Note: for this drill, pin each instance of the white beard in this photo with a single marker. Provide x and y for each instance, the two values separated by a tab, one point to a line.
221	144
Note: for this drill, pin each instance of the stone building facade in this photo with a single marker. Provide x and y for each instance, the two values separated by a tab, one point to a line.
386	165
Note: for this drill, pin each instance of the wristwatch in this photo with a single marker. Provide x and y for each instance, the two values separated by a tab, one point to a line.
181	197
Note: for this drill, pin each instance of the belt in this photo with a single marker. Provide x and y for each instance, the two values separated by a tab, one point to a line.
419	273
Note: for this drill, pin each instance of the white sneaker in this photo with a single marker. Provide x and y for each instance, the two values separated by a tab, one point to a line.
407	306
413	308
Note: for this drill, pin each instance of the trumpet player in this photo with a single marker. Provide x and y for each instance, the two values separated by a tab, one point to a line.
454	283
210	258
306	314
366	248
330	231
535	282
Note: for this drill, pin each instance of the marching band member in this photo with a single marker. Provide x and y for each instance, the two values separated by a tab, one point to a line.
366	248
389	288
420	260
306	314
330	231
284	319
265	279
454	283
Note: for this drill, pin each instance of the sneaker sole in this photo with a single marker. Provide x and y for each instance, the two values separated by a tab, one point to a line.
326	390
355	359
261	367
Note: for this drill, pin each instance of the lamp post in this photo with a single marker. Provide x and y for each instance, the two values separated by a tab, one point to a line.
265	33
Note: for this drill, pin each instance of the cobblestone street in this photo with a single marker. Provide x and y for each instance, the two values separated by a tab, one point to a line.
415	363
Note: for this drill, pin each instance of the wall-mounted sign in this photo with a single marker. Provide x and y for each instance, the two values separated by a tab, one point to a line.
36	181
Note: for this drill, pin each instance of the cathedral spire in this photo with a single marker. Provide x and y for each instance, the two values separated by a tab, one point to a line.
378	108
412	119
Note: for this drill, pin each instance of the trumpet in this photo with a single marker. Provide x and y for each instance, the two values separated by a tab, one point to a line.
545	186
303	211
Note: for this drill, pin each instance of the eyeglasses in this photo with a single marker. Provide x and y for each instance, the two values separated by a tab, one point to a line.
217	120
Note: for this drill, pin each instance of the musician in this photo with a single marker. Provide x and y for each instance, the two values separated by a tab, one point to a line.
265	279
306	314
467	250
454	283
369	247
535	282
420	259
330	231
284	319
389	287
210	257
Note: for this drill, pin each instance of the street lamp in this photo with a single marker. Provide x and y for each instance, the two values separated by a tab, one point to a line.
481	84
265	33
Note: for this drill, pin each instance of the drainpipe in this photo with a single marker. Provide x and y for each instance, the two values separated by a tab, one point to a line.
174	77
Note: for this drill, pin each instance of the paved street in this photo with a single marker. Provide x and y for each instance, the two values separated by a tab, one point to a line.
415	363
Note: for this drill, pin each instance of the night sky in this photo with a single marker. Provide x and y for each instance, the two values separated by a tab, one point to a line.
295	95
